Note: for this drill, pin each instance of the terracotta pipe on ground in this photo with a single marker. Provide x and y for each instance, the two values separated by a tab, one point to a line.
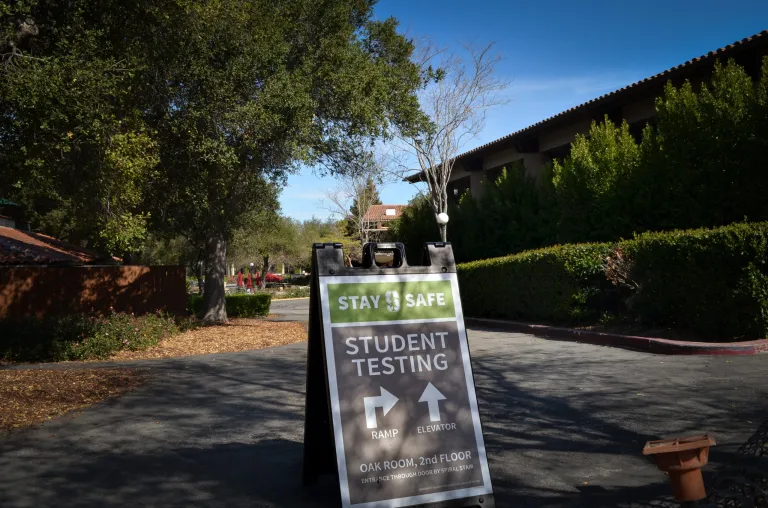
682	459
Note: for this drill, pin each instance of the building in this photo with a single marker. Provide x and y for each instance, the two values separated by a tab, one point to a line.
19	245
41	276
378	217
538	144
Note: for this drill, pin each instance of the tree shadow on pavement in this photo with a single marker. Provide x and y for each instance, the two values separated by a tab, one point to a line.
563	427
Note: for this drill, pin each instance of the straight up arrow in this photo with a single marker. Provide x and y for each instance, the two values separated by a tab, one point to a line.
386	401
432	397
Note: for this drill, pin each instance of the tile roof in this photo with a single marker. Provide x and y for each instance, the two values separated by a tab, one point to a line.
661	77
28	248
377	213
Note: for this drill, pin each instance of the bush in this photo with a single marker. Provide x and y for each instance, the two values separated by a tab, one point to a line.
415	226
238	305
81	337
559	284
702	164
711	282
301	280
299	292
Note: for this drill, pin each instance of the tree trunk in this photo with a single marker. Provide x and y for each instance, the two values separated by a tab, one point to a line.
265	267
214	305
443	232
200	279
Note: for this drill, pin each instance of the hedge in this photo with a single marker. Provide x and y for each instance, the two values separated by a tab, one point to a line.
238	305
709	282
554	285
701	164
82	337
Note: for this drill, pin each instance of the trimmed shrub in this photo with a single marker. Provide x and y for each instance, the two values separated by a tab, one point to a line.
561	284
708	281
701	164
414	227
711	282
81	337
298	292
302	280
238	305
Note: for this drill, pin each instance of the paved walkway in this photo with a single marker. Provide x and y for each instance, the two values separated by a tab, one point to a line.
564	425
290	310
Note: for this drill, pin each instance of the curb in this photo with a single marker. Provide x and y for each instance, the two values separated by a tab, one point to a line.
289	299
633	342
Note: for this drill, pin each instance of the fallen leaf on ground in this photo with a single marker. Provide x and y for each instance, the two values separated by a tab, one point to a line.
237	335
32	396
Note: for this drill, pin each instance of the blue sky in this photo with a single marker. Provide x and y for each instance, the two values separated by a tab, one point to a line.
557	54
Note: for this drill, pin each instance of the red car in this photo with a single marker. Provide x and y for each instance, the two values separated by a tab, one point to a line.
271	277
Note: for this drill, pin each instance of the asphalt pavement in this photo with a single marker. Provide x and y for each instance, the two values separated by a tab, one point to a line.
564	425
290	310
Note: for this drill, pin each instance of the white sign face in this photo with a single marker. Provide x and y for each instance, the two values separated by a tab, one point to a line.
405	419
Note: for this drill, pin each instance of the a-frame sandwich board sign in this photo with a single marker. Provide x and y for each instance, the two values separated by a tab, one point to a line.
390	401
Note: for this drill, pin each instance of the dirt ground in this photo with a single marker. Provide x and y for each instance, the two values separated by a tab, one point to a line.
32	396
237	335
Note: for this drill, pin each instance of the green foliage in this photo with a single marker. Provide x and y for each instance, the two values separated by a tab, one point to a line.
369	196
415	226
561	284
264	234
702	165
709	282
299	292
162	249
81	337
328	231
589	183
711	150
238	305
514	214
122	117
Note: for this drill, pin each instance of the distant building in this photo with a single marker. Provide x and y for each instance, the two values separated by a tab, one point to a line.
378	217
551	138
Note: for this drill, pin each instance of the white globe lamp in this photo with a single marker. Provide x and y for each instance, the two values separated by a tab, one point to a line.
442	218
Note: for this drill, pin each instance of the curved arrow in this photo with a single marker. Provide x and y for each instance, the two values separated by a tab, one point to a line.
386	401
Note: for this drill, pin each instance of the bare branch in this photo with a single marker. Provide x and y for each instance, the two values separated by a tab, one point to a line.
456	105
358	187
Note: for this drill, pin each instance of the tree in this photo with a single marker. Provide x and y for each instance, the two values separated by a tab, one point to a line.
271	237
228	96
355	193
74	151
362	201
589	181
329	231
456	105
415	226
708	165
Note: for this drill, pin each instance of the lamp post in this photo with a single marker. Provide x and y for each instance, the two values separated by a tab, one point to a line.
442	220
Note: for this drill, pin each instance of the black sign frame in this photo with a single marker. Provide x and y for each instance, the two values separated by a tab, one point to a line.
319	441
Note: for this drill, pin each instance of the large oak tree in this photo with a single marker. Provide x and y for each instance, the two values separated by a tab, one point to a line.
191	110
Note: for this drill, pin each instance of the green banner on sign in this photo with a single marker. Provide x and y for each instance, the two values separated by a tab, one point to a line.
390	301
